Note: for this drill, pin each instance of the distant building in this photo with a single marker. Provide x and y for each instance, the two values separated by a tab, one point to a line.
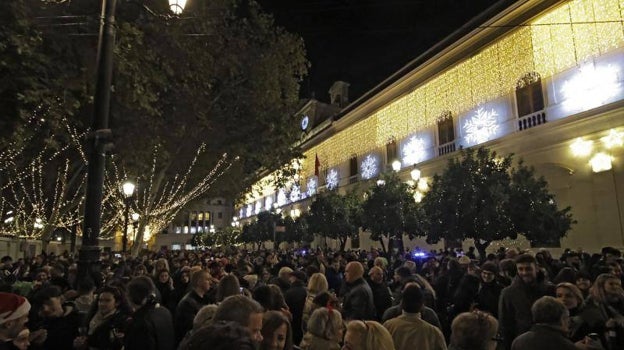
202	216
541	79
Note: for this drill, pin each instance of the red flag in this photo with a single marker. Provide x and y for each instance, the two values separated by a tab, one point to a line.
317	166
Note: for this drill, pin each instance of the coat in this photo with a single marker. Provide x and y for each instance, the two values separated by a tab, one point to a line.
381	297
151	328
358	301
295	299
185	313
514	307
543	337
409	332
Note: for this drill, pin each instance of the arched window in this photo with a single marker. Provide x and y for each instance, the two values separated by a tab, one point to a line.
529	95
446	133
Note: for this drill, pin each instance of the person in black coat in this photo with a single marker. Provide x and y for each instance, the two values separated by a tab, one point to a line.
295	299
151	325
550	328
381	292
487	299
60	320
201	283
357	295
515	301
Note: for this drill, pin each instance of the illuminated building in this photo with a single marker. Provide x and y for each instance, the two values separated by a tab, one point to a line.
541	79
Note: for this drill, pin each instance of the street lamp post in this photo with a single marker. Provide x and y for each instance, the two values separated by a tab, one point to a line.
99	142
128	192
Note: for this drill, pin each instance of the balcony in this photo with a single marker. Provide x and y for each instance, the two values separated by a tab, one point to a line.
531	120
446	148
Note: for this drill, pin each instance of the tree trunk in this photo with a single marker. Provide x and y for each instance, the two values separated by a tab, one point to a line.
383	246
398	242
343	243
481	249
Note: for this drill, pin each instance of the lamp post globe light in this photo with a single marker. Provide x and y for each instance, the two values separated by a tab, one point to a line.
99	142
128	192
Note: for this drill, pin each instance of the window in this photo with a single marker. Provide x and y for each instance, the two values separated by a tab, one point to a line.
446	130
219	202
220	215
529	95
391	152
353	166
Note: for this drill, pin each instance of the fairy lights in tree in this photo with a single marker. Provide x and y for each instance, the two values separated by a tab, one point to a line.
481	126
161	197
46	200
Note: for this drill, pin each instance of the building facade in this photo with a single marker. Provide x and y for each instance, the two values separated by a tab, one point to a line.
543	80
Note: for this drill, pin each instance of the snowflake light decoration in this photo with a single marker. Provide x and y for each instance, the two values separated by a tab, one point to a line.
258	207
295	193
413	151
281	197
249	210
591	87
369	167
482	126
332	179
241	213
312	184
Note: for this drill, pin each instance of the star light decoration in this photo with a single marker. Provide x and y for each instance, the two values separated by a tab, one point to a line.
369	167
312	185
591	87
482	126
295	193
332	179
413	151
614	139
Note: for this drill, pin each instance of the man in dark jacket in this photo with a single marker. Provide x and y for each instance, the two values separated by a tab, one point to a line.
487	299
187	308
151	326
295	299
550	328
358	301
381	292
516	300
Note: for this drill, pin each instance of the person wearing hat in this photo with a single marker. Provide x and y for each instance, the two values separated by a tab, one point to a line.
295	299
13	317
487	299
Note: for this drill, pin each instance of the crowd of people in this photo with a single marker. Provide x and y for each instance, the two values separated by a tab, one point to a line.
316	299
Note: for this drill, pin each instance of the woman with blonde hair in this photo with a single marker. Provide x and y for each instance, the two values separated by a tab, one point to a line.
572	297
325	329
317	284
367	335
604	310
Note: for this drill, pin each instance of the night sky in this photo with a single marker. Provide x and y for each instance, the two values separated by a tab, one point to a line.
365	41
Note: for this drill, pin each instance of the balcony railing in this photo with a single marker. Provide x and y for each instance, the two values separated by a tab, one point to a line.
446	148
531	120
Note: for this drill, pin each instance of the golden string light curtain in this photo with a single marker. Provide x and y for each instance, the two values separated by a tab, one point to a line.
560	39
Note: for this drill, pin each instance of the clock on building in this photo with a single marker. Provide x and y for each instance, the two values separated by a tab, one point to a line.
305	122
